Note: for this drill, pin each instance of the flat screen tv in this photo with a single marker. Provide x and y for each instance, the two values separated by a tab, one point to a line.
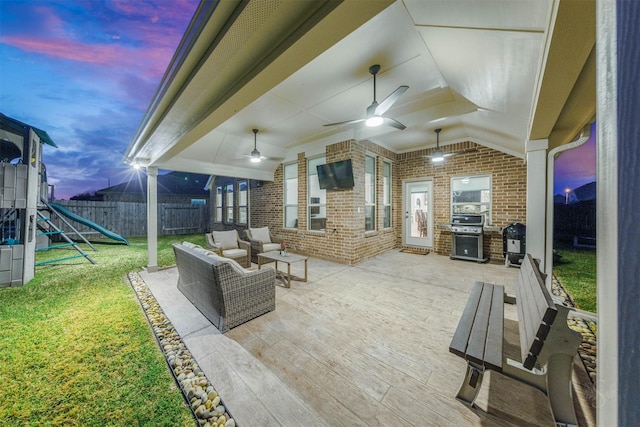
335	175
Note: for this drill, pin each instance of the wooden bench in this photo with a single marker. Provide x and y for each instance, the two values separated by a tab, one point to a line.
547	344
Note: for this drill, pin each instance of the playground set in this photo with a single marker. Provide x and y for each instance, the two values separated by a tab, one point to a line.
25	210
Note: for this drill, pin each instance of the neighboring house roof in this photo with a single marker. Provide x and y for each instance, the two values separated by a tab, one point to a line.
171	183
584	193
17	127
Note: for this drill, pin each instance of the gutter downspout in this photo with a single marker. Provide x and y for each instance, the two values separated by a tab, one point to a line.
585	134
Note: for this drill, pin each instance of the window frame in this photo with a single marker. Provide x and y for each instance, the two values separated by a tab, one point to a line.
485	199
219	207
387	195
286	202
371	205
244	206
229	204
321	191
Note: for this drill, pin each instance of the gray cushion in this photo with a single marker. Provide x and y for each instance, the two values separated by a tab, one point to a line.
226	239
203	251
261	234
234	253
190	245
268	247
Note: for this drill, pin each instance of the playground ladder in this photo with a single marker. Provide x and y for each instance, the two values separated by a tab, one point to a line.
53	230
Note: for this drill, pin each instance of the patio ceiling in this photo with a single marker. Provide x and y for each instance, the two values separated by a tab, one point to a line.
496	72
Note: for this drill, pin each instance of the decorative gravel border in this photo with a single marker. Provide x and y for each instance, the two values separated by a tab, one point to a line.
589	348
204	401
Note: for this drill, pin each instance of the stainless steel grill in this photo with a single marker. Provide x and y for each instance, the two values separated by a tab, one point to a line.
467	238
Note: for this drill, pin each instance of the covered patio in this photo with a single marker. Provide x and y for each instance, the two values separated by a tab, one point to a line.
362	345
517	77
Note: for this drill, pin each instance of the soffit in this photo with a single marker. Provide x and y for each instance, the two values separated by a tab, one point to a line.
483	71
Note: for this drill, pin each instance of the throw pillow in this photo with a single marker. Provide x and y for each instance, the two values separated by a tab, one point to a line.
203	251
261	234
226	239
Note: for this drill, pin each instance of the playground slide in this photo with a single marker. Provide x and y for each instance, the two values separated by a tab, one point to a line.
66	212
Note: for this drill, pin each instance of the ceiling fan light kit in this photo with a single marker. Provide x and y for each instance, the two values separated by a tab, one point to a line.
374	121
255	156
438	156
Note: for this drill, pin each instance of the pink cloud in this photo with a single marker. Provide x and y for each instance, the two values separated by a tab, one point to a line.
65	49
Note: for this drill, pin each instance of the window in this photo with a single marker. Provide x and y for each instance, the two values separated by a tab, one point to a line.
228	203
291	195
198	201
369	193
243	202
386	194
218	214
317	198
472	195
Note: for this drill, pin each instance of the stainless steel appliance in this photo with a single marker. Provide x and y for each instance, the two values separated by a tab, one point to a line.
467	237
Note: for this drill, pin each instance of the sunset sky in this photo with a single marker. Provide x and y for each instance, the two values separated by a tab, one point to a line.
86	70
577	166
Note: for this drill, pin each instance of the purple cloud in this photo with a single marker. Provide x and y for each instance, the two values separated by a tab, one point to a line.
85	71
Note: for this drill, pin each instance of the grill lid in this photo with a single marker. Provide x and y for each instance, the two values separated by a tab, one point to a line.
467	220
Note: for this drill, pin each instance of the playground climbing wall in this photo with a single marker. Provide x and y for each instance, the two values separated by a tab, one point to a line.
19	198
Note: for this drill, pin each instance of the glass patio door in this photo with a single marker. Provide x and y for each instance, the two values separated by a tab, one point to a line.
418	213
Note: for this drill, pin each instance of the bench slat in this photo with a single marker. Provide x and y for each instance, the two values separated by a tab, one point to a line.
478	337
536	311
493	346
460	339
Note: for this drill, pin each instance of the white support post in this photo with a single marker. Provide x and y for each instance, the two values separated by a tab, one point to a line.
152	219
536	198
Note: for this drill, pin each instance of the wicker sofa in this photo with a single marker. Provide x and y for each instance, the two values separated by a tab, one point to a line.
223	291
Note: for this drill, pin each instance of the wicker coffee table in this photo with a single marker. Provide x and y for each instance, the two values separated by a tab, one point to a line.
287	259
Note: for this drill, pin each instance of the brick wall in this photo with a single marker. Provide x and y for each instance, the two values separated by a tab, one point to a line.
508	189
345	239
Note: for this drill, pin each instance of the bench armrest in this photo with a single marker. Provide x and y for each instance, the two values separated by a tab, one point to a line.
583	314
576	312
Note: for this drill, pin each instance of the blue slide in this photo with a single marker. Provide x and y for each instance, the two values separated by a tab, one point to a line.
66	212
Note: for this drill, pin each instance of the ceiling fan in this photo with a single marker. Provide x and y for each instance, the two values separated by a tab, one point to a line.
255	156
375	112
438	155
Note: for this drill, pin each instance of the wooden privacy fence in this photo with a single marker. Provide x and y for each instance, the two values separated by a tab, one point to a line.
575	220
129	219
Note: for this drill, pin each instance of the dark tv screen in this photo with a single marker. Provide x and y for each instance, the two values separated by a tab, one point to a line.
335	175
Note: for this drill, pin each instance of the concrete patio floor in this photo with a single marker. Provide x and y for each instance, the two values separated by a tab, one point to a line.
363	345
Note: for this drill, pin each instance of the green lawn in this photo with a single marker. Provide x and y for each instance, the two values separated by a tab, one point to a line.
76	348
577	273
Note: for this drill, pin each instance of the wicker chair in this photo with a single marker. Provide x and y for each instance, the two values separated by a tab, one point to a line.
262	240
229	245
225	293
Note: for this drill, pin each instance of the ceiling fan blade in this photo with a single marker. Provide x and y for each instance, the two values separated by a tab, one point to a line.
390	100
465	151
455	153
394	123
345	122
